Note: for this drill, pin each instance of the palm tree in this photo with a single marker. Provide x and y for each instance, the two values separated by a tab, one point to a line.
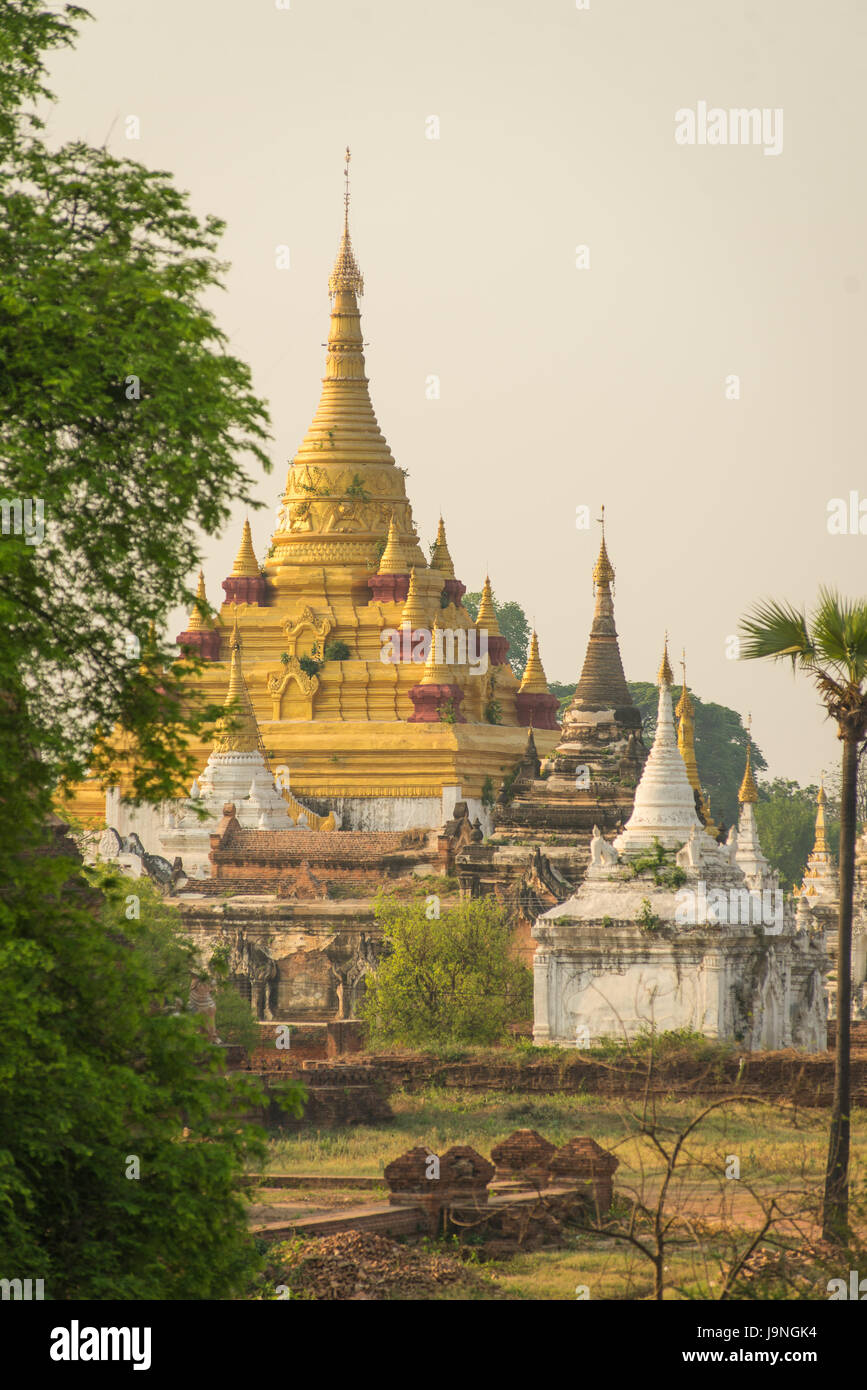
832	650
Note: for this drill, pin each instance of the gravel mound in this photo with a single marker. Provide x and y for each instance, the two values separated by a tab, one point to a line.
356	1265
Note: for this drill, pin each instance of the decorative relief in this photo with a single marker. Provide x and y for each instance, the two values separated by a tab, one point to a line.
293	627
325	552
279	681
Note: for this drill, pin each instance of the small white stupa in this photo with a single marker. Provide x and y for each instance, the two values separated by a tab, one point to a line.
664	807
693	936
748	854
237	772
821	881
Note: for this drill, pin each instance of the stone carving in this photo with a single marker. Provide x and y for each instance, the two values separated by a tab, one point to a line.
202	1002
601	853
110	844
689	857
293	627
250	961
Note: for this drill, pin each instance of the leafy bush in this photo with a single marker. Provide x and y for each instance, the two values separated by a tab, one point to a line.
447	980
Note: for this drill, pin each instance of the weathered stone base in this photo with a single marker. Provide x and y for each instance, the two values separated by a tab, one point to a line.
617	982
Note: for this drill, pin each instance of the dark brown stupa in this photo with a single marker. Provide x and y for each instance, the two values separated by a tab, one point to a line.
603	684
543	825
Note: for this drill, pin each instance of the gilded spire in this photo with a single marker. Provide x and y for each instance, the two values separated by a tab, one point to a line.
414	611
821	845
436	672
237	731
603	570
441	559
199	621
346	275
393	560
343	485
749	791
685	713
664	674
820	876
487	617
533	679
246	565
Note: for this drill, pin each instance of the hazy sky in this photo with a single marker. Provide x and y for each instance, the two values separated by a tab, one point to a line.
560	386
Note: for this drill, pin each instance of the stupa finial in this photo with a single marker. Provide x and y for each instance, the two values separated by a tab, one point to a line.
238	730
346	276
414	611
440	558
487	615
199	620
748	791
393	560
603	570
664	675
246	565
534	679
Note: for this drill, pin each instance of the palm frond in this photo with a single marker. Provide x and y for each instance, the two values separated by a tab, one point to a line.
840	634
777	630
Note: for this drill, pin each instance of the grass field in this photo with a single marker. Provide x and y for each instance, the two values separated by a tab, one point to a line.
780	1150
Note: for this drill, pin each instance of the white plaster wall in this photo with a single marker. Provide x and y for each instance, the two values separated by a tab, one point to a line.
144	821
621	1004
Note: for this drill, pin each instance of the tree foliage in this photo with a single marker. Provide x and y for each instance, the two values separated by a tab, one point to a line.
445	979
830	648
124	416
786	820
101	1066
128	424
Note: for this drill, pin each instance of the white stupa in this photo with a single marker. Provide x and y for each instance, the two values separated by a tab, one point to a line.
236	772
748	854
664	807
821	882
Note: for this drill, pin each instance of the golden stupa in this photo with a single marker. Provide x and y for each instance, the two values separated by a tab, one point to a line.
685	714
345	725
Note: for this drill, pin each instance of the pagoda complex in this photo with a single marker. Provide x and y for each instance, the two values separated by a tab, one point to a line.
544	816
686	936
388	735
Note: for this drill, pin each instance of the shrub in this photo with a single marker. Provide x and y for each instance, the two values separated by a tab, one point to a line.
447	980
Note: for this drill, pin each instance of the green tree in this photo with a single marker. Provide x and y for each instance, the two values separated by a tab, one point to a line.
513	625
832	650
102	1069
126	420
447	978
125	426
786	820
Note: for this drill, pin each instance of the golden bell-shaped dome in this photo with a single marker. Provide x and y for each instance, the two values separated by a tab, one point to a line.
414	611
533	679
394	560
487	617
238	730
199	621
246	565
441	559
436	672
